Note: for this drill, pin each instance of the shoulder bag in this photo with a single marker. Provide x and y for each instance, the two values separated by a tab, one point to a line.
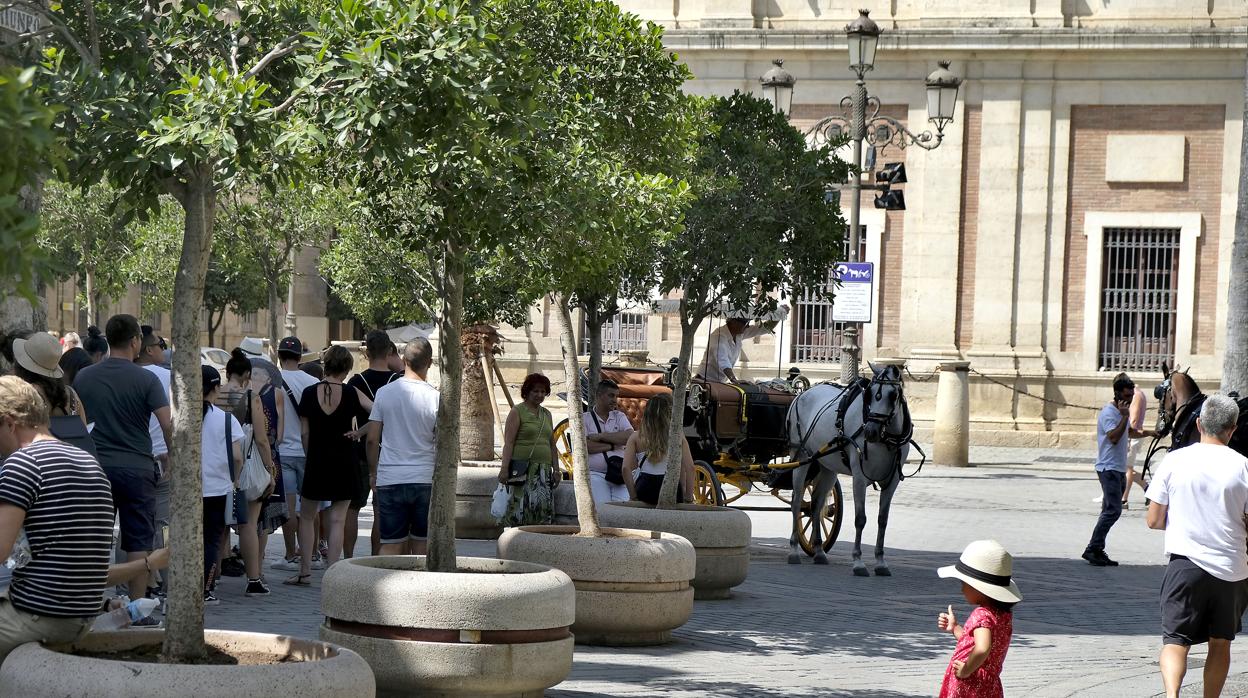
615	464
518	470
255	477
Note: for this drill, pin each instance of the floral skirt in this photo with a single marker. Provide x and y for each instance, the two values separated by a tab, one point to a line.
533	502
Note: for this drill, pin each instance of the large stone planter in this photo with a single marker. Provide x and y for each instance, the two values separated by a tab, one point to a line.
304	668
721	537
494	628
565	505
632	587
475	483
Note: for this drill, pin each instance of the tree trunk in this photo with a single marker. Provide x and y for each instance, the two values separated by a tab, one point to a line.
184	634
441	556
476	412
214	325
680	389
1235	359
585	509
274	308
18	316
93	302
594	321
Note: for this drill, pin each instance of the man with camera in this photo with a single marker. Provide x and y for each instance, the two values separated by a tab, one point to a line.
606	431
1112	437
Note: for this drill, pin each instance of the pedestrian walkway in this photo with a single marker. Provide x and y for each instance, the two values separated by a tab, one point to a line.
798	631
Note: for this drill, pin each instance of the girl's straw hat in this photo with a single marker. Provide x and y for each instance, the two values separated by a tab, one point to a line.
987	566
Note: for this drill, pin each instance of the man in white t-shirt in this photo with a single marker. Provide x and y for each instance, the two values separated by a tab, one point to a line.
1200	498
151	354
723	349
290	449
606	431
401	446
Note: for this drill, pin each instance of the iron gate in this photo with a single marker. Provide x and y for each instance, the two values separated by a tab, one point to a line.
626	331
1139	298
816	338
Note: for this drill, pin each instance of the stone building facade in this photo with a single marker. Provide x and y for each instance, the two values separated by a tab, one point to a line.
1075	221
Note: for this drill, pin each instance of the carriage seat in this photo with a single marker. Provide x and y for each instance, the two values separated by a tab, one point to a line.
735	407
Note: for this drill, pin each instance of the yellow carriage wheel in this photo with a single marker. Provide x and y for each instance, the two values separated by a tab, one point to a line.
706	488
828	520
563	444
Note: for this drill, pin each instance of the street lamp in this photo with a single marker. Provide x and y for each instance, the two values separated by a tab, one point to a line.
778	87
863	36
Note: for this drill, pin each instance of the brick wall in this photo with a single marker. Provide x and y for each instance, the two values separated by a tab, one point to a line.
1200	191
968	226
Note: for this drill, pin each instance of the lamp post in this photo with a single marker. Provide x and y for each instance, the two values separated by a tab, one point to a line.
862	118
778	87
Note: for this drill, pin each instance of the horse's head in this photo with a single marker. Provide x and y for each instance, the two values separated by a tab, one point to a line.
883	396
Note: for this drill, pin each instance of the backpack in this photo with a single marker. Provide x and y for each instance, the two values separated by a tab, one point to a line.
70	429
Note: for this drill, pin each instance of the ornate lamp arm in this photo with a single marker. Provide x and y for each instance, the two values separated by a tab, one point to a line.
879	131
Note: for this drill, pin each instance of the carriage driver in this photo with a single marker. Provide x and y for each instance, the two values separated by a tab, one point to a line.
723	349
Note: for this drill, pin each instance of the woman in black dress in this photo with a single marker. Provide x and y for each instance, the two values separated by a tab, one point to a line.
331	413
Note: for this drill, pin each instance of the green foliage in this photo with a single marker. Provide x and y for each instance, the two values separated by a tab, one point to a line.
234	279
27	150
761	219
81	233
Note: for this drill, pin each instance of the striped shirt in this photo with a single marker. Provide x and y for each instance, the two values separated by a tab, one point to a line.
69	526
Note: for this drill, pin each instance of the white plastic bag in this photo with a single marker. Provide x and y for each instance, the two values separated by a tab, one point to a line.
498	503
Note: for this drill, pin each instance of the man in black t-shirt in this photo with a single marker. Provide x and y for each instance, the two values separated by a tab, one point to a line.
120	397
59	497
377	349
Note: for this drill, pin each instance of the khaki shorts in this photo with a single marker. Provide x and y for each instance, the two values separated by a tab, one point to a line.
18	627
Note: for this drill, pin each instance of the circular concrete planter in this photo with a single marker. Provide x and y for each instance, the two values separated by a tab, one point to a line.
494	628
305	668
721	537
475	482
632	587
565	505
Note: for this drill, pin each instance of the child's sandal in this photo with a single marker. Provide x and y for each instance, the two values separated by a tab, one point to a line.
299	580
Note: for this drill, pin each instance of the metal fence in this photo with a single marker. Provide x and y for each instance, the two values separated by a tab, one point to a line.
1139	298
624	332
816	338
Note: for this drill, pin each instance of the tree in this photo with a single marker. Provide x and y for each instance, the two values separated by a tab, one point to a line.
761	222
234	281
440	97
1235	359
598	198
183	99
85	236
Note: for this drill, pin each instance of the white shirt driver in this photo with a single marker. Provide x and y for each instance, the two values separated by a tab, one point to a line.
1205	490
724	350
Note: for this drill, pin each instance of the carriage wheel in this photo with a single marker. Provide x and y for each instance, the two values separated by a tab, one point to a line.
563	444
828	520
706	489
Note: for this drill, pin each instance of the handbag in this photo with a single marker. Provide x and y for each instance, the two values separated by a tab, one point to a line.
255	478
517	469
499	502
231	510
615	464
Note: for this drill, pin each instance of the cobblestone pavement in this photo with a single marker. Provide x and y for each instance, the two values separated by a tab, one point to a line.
797	631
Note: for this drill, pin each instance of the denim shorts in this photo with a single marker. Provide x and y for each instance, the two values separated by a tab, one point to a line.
292	474
134	498
402	511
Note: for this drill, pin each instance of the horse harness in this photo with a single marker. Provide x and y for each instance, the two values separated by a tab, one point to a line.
862	388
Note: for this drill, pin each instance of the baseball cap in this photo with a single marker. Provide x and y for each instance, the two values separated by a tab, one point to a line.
211	377
290	345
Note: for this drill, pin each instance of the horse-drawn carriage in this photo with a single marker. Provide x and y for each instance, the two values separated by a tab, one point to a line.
738	438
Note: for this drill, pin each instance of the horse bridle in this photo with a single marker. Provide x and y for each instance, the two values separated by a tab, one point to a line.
882	418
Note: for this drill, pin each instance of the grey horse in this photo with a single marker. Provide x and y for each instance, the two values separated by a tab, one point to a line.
863	431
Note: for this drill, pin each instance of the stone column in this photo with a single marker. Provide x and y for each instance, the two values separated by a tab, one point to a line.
951	434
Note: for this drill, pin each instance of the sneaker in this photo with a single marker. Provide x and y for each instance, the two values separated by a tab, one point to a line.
256	587
1095	558
146	622
290	563
318	563
1108	562
210	599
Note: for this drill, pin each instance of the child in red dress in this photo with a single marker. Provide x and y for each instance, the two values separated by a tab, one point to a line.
985	569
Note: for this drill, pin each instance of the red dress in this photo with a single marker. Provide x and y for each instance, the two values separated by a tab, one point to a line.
986	681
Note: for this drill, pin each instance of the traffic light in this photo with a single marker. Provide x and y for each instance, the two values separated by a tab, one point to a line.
889	199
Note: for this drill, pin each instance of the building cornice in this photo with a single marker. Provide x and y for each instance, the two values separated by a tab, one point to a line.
963	39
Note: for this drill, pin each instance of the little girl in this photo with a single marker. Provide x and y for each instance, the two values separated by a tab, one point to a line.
974	670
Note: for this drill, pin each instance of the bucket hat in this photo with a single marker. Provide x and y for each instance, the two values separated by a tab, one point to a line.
987	567
40	354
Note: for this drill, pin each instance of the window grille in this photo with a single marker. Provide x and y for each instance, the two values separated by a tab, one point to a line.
626	331
247	323
816	338
1139	298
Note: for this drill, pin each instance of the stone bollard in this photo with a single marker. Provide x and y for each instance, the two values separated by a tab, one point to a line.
951	435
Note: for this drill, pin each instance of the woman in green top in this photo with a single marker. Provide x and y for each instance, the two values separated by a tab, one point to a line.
529	444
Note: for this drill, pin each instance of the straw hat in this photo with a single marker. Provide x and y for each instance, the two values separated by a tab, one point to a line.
40	354
987	567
